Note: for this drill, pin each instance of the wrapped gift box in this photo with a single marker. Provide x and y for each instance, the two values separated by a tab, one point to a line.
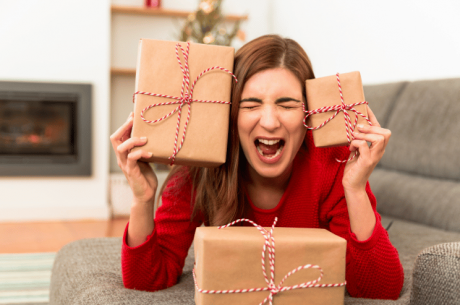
230	259
324	91
158	71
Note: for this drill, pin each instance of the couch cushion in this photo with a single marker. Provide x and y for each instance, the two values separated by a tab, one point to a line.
431	201
381	99
425	129
436	276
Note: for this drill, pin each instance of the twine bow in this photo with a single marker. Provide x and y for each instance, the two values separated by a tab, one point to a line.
186	98
274	289
337	108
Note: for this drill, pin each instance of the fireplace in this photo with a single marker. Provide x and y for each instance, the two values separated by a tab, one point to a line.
45	129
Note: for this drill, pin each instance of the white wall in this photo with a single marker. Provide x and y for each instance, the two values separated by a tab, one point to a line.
59	41
386	40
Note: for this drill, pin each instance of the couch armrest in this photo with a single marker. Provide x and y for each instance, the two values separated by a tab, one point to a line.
436	275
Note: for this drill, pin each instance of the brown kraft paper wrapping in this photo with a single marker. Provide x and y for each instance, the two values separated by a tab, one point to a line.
324	91
158	71
230	258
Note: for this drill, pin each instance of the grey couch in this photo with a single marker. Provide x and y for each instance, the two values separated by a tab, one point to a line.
417	185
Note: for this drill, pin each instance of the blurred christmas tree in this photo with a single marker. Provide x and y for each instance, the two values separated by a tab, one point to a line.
206	25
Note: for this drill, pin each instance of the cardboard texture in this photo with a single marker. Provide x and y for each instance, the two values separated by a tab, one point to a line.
230	258
158	71
323	92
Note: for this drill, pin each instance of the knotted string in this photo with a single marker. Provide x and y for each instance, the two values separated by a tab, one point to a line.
274	289
337	108
186	98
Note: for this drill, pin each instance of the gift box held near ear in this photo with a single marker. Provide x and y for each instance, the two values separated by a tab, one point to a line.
182	101
326	92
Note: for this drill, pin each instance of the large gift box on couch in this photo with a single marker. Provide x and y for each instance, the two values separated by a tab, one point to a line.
298	264
417	185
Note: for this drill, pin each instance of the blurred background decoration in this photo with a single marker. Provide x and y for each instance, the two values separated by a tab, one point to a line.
206	25
152	3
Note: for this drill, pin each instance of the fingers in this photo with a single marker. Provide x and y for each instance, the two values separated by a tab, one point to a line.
377	140
386	133
124	148
122	133
362	148
369	155
133	157
129	144
372	117
118	137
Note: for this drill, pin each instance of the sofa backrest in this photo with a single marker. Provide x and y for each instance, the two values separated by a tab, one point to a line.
424	118
382	98
418	178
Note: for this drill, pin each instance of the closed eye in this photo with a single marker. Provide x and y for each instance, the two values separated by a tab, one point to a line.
249	105
290	105
284	102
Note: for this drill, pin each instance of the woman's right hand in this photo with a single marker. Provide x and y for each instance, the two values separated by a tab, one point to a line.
140	175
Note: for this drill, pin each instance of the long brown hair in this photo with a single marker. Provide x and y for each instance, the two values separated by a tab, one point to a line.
217	192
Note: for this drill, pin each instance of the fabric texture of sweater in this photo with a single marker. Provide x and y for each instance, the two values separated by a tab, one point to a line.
314	198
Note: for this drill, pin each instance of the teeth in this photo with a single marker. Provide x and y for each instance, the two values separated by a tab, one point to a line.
268	142
259	150
278	151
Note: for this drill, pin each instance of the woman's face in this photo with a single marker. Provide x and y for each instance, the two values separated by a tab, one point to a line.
270	124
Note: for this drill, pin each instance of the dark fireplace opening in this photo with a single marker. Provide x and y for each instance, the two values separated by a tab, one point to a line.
45	129
37	128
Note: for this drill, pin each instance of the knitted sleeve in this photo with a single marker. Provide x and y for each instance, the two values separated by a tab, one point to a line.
157	263
373	267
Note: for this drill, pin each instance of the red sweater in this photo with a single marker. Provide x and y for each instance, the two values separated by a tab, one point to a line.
314	198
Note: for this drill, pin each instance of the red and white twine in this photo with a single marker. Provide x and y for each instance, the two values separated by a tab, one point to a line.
337	108
269	245
186	98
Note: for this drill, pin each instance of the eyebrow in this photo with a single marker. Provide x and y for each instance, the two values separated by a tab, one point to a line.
278	101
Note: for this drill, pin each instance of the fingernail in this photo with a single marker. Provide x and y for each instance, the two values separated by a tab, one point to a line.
360	126
143	138
150	154
131	114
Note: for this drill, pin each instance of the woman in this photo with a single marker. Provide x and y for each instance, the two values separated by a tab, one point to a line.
273	170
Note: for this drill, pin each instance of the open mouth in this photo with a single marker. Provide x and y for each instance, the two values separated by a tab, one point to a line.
269	148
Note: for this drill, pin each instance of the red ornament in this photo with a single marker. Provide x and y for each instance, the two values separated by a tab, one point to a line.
153	3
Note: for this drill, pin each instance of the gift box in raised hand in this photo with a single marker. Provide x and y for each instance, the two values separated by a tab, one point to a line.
182	101
335	105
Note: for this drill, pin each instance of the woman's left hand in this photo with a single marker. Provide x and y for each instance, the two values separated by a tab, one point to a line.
358	170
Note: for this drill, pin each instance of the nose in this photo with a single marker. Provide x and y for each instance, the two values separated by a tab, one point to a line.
269	119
